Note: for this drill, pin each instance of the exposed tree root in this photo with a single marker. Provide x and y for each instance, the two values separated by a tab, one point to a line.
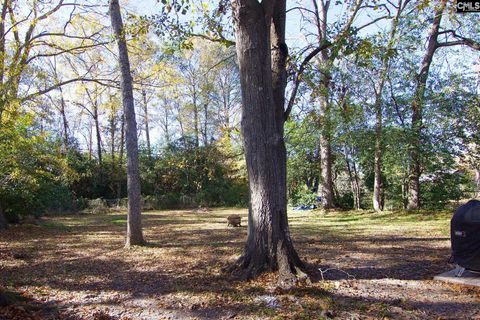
290	273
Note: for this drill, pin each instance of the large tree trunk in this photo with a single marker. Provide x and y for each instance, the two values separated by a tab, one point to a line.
134	223
417	106
263	78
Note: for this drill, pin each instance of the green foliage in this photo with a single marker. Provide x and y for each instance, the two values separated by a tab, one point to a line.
32	171
303	159
188	176
303	197
441	188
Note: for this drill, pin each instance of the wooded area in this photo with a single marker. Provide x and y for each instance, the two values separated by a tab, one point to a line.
358	109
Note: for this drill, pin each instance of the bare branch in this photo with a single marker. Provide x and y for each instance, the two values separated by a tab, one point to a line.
298	76
75	51
461	41
103	82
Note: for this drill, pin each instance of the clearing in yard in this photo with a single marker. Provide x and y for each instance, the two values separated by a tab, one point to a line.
373	266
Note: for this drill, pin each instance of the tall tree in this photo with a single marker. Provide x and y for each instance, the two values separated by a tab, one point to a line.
378	202
417	102
419	94
134	224
262	54
329	41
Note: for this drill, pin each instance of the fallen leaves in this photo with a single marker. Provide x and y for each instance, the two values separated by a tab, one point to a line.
80	270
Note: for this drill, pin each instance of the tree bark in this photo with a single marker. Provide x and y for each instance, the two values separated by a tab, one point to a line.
65	121
262	52
167	126
147	124
113	129
377	167
205	125
90	141
354	183
195	117
98	134
120	157
326	181
417	108
134	224
358	194
477	182
3	220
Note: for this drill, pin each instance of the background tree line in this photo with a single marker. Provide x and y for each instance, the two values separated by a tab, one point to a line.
384	115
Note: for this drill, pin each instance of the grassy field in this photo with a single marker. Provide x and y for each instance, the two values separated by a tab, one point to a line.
369	266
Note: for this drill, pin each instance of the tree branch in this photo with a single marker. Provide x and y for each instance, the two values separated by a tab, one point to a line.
298	76
103	82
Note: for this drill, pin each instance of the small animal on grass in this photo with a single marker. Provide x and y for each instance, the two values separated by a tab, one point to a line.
234	220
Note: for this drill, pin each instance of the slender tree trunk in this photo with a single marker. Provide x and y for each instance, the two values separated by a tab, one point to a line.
113	129
98	135
378	184
134	224
147	125
354	183
182	130
263	79
3	220
65	125
3	56
64	120
350	176
356	178
120	157
90	141
417	110
205	124
326	182
195	118
477	182
226	119
377	166
167	127
326	190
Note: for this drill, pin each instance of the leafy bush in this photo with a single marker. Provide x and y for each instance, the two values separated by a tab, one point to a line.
304	197
32	171
439	189
187	176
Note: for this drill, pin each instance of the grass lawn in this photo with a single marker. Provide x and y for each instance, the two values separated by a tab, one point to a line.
374	266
